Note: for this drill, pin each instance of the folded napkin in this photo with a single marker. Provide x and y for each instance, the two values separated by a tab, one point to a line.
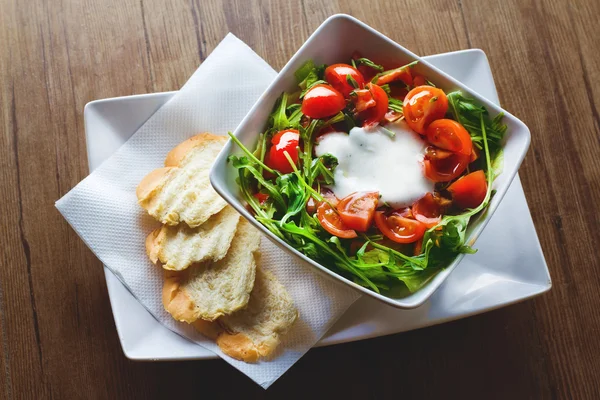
103	208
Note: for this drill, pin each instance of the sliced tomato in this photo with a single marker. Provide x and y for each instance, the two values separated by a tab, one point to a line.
469	191
363	99
337	76
423	105
372	116
282	141
446	169
330	197
419	80
435	153
331	222
427	210
356	210
474	154
399	74
322	101
261	197
449	135
398	228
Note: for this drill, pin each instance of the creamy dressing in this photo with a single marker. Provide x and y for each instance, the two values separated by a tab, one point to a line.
372	160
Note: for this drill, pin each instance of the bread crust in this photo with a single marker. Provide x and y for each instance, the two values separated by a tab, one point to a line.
176	301
178	153
151	183
167	191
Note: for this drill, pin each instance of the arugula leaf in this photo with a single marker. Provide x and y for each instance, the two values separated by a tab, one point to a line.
468	112
308	75
368	63
351	81
395	104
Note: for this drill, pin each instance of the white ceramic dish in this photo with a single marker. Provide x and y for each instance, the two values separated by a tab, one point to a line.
509	266
334	41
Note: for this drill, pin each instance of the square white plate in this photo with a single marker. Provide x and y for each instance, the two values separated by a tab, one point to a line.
509	266
327	45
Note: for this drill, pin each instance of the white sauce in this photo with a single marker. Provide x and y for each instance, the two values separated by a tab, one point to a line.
371	160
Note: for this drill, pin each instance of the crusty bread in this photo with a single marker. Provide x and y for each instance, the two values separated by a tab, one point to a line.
255	331
181	191
209	290
178	247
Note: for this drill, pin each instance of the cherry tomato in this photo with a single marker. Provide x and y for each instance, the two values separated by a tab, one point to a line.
392	116
474	154
356	210
363	99
469	191
399	74
331	222
261	197
399	229
422	105
448	134
329	196
419	80
322	101
427	210
435	153
286	140
373	115
446	169
336	75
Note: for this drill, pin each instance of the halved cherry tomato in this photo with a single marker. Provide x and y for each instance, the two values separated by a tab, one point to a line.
363	99
399	74
330	197
419	80
356	210
261	197
331	222
286	140
399	229
448	134
474	154
446	169
422	105
322	101
427	210
470	190
372	116
336	75
435	153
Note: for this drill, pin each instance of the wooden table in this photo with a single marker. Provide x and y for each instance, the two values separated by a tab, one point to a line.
58	335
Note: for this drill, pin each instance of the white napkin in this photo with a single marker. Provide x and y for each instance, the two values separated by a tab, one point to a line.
103	208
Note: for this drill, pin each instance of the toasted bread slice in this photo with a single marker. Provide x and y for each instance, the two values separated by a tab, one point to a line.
181	191
255	331
178	247
210	290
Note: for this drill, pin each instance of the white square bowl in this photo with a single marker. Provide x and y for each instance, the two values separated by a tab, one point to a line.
335	40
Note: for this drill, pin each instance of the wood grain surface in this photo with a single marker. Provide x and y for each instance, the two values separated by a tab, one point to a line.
58	338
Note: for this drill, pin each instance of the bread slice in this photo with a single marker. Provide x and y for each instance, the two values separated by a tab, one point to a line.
210	290
255	331
181	191
178	247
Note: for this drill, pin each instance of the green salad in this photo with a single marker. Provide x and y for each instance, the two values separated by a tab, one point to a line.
373	172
